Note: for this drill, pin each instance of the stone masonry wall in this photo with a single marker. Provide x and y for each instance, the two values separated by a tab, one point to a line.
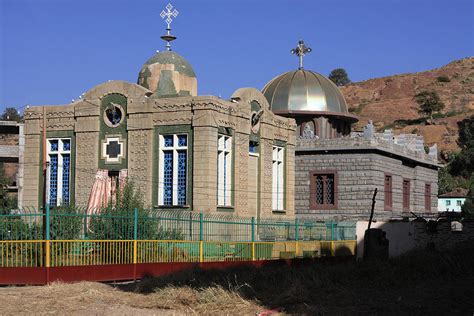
358	174
87	149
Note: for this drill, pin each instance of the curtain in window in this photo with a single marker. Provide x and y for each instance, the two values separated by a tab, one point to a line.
122	179
100	193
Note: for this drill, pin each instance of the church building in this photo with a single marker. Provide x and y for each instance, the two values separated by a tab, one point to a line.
336	169
286	151
183	151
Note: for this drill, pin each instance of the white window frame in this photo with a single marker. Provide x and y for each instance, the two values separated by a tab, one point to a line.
175	148
278	185
60	152
224	170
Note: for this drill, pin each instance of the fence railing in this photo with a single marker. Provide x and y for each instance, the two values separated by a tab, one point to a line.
69	223
63	253
73	237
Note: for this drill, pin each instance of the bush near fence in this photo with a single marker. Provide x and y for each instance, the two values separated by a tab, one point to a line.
78	236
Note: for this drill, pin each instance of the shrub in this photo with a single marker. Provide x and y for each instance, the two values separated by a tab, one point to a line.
443	79
65	223
116	222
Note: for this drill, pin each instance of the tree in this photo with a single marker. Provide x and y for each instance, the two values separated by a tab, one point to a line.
463	162
11	114
339	77
468	206
429	102
7	202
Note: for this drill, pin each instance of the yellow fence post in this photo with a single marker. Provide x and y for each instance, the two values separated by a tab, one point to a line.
201	251
47	261
253	238
48	253
135	235
201	235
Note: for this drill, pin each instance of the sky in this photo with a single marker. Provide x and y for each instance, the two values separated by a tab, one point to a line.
52	51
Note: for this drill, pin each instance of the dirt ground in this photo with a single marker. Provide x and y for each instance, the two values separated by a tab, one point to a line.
420	283
90	298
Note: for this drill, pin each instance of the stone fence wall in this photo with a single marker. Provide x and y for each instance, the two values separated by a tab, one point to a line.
406	236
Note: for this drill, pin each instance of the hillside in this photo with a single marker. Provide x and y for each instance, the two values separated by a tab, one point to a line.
388	101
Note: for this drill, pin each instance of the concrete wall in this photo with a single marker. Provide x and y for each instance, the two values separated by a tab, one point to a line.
406	236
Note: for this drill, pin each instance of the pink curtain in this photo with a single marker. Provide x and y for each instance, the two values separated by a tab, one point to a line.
100	193
122	179
105	189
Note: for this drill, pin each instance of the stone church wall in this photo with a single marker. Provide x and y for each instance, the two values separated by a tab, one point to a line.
358	174
144	119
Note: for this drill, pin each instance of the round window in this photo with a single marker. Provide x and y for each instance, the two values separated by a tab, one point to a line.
113	115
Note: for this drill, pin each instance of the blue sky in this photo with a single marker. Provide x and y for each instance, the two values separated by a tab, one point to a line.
54	50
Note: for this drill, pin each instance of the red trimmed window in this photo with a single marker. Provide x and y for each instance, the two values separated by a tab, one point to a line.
388	192
323	187
428	197
406	195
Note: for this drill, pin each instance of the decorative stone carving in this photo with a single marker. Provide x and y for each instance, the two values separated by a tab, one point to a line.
433	151
369	130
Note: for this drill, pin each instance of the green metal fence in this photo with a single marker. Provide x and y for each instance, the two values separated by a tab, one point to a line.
76	223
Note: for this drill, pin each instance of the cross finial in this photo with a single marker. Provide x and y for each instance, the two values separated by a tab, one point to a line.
301	50
168	16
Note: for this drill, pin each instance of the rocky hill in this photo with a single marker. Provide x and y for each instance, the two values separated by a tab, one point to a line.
389	102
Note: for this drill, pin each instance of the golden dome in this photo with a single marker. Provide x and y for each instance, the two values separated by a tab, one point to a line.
303	91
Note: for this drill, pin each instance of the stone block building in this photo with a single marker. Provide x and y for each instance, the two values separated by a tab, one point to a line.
338	170
183	151
288	148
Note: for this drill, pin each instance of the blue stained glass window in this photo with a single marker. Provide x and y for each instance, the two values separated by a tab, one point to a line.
182	156
66	145
54	145
168	140
53	179
182	140
65	188
168	178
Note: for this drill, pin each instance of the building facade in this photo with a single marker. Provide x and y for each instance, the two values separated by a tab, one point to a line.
452	201
183	151
288	148
338	170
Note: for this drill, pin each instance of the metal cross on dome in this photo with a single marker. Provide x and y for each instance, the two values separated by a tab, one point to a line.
301	50
168	14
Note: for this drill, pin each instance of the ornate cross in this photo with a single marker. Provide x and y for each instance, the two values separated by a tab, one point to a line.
301	50
113	149
168	14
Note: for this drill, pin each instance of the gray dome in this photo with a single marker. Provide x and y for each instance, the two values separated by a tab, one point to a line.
303	91
168	74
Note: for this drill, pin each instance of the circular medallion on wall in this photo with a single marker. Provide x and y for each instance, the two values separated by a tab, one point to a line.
113	115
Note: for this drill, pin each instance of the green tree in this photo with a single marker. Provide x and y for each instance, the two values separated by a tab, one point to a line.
7	201
428	102
463	162
11	114
468	206
339	77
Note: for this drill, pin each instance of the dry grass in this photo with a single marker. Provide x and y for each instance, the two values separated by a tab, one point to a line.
89	298
420	283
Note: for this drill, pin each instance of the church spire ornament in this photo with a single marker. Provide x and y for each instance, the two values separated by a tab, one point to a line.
168	16
301	50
